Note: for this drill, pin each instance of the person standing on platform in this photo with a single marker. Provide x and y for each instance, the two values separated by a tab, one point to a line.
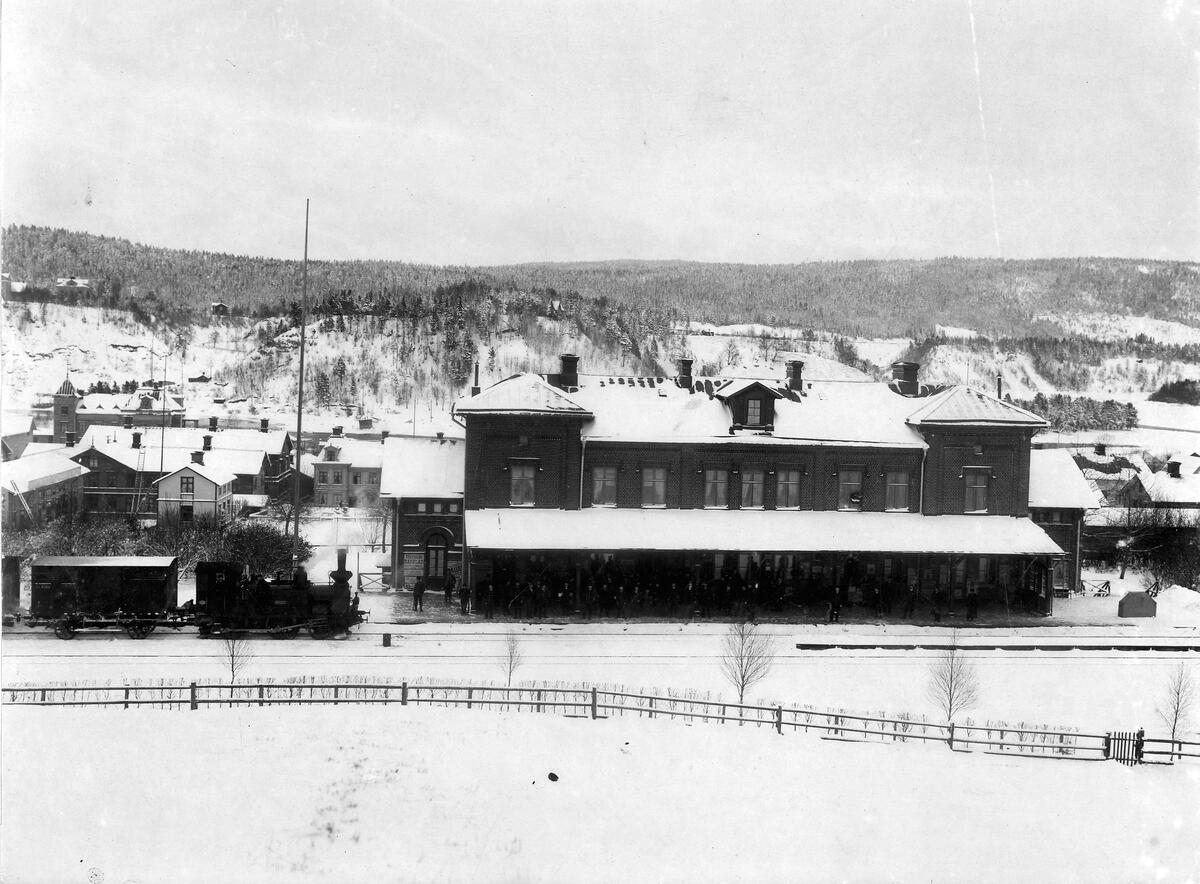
972	600
451	582
419	594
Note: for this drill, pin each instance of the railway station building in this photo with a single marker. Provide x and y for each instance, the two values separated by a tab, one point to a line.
688	492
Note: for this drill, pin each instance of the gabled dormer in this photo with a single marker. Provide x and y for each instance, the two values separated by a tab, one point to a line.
751	404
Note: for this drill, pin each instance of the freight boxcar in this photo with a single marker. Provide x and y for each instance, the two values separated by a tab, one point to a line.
133	593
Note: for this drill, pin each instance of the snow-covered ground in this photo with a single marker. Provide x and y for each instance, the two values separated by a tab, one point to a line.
352	794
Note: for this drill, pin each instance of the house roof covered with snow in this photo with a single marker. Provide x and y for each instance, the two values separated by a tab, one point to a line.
214	473
964	405
604	529
423	467
361	453
242	463
1183	489
36	471
274	442
521	394
1056	482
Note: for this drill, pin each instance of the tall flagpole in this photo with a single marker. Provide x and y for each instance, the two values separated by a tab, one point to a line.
300	400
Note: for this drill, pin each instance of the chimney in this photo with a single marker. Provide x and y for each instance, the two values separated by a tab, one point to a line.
795	375
129	421
263	426
1101	449
198	457
475	386
137	440
207	442
212	424
337	431
685	373
1173	467
904	377
569	376
70	438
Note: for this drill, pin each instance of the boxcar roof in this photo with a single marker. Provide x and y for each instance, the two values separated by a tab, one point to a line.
105	561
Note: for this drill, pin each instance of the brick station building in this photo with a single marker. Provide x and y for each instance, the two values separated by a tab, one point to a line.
670	495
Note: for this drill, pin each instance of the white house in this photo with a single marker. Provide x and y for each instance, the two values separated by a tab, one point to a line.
195	492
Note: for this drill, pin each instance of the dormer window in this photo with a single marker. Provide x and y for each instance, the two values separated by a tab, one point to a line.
654	486
522	478
975	481
753	412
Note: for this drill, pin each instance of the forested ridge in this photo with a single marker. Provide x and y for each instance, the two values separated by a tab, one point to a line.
999	298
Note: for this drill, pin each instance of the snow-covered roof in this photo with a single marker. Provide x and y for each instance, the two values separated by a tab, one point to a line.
1055	481
607	529
362	453
964	405
520	394
35	471
741	385
829	413
423	467
244	463
191	438
216	474
1182	489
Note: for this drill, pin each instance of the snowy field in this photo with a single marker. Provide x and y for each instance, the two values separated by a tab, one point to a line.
354	794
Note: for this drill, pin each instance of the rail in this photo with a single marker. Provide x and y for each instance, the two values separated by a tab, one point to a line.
595	703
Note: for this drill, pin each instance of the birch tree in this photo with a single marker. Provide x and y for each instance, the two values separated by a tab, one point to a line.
747	656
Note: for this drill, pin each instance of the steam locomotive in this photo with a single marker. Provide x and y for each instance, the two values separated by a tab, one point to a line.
137	594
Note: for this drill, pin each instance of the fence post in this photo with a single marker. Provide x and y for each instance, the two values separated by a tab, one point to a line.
593	702
194	705
650	708
260	695
43	695
1139	744
950	740
470	695
387	639
404	693
126	698
539	701
335	695
1108	745
779	719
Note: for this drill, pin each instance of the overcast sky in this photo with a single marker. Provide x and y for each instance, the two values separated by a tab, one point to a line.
502	132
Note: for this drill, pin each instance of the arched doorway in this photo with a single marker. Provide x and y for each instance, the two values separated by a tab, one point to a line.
435	560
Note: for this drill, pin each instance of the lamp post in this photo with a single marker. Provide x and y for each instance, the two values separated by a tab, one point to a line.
1123	554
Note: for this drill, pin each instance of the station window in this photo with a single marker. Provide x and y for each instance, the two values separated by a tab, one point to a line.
654	486
850	488
522	484
753	412
752	488
356	478
604	486
716	488
975	481
897	490
787	489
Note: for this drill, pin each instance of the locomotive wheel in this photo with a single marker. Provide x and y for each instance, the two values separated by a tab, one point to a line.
150	627
320	630
204	629
64	631
135	630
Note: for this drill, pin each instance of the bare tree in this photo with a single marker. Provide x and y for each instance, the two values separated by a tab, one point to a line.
953	682
513	655
1178	700
236	654
747	656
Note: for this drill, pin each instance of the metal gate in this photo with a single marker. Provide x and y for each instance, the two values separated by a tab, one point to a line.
1125	746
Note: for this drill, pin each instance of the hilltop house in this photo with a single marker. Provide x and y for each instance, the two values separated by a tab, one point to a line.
746	486
73	413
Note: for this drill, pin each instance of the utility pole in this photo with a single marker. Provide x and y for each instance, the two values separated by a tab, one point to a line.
300	399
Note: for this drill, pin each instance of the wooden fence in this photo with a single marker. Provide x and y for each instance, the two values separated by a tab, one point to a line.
591	702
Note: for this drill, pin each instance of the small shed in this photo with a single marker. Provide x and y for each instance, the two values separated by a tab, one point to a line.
219	308
1136	604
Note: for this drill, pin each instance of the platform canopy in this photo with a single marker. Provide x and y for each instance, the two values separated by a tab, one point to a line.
609	530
